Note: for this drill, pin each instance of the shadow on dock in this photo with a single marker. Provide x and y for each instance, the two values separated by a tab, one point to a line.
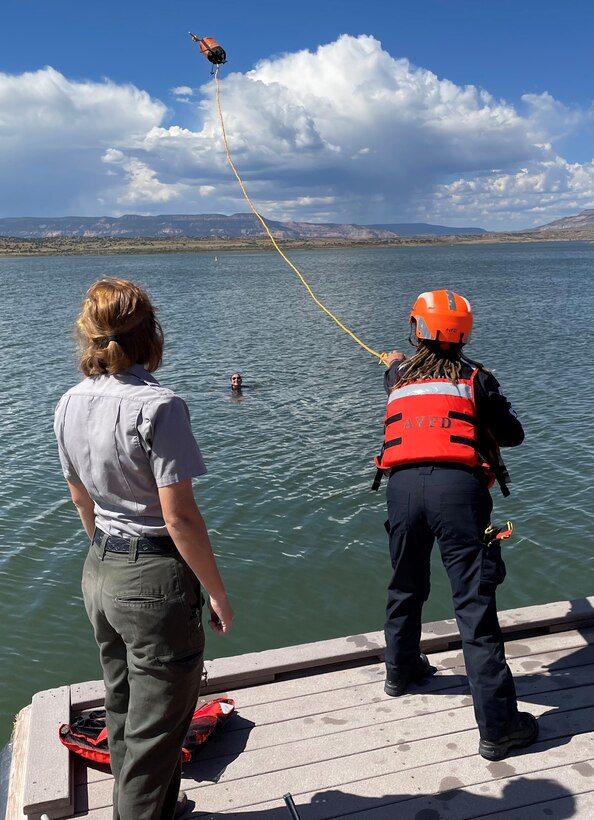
455	802
204	768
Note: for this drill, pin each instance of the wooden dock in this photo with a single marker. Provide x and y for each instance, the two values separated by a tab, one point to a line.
313	721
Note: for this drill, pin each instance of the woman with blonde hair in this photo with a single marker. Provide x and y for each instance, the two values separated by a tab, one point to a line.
128	455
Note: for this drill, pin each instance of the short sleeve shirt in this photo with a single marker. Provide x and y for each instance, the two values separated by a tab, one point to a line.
123	437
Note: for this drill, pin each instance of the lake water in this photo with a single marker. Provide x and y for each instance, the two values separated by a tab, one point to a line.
298	532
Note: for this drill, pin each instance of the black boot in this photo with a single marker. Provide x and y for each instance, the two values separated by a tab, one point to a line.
181	806
524	734
397	682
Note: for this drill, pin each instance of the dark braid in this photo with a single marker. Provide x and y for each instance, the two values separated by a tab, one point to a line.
431	361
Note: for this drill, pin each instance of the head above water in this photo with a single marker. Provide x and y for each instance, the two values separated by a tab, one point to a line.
236	381
442	316
117	328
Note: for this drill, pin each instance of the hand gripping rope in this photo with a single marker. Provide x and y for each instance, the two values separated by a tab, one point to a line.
381	357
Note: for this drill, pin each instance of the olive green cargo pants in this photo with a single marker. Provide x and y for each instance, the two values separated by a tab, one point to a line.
146	615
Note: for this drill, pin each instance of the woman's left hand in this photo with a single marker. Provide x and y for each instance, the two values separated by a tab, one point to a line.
222	615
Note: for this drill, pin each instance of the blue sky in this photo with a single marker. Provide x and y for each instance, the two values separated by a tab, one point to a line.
458	112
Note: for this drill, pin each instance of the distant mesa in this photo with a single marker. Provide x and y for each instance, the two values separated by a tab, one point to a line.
581	222
245	226
424	229
191	226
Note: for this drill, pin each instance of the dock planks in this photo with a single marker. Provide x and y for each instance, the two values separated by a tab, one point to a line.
344	749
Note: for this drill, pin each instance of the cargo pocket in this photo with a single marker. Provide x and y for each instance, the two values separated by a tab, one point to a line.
492	569
189	658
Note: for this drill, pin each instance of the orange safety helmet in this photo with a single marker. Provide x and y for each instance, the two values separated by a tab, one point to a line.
443	316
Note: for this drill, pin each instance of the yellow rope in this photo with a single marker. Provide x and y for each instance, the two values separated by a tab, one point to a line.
380	356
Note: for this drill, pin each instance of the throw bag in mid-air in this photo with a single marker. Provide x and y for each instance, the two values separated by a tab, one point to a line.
213	52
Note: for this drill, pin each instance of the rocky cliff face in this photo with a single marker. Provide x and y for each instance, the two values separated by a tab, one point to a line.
245	226
581	222
203	226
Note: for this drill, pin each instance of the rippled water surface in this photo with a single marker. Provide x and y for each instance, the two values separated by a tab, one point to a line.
298	533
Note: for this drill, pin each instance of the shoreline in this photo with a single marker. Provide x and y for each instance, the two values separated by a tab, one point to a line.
92	246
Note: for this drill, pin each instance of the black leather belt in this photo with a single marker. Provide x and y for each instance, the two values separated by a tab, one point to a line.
162	545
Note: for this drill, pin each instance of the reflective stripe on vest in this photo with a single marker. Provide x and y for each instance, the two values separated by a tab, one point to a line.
430	421
433	388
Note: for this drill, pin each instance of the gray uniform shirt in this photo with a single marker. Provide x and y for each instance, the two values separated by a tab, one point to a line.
122	437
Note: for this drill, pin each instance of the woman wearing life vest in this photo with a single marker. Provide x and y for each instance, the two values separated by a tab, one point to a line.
128	455
446	418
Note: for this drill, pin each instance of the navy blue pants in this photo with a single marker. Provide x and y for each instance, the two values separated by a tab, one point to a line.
453	506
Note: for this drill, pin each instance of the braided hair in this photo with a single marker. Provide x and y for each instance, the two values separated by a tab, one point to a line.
431	360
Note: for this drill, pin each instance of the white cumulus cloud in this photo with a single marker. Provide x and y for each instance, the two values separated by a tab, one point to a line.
182	93
53	134
347	133
526	197
142	186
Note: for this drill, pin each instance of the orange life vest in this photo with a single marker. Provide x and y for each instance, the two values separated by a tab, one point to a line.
433	420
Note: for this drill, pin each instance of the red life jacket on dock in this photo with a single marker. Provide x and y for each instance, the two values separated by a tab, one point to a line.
87	735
